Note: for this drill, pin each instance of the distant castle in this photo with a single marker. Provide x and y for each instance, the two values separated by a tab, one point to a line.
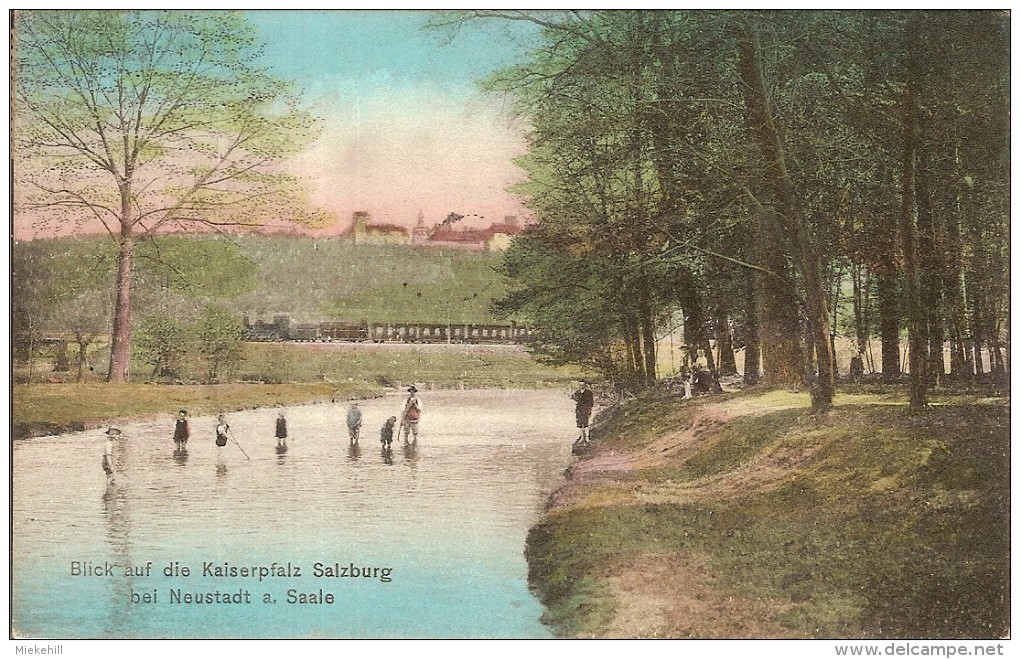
495	238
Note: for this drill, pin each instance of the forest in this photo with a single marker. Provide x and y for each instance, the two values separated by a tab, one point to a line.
773	177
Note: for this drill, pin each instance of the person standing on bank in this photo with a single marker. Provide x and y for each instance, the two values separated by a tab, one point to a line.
584	402
222	428
281	430
411	414
182	432
354	422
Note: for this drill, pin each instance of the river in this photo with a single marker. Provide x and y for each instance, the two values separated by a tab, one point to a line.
322	541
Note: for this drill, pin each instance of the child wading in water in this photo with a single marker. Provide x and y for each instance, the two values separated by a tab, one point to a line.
182	431
222	428
108	464
386	434
281	431
354	422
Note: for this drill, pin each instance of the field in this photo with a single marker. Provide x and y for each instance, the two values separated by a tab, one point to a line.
319	279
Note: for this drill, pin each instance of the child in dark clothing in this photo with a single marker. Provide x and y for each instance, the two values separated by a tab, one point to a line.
281	431
182	432
386	434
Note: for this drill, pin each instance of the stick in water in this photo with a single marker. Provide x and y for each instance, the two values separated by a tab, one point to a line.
231	435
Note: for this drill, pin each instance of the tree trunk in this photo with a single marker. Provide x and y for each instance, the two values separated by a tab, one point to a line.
120	344
790	215
908	228
706	345
724	342
961	366
752	302
635	369
83	347
888	325
752	329
648	334
930	261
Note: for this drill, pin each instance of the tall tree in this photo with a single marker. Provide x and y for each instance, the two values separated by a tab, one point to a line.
149	120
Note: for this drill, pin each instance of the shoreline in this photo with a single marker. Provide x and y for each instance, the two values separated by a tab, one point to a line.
55	409
742	515
203	399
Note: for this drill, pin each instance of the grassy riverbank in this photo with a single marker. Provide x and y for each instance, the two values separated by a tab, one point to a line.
43	409
743	516
279	374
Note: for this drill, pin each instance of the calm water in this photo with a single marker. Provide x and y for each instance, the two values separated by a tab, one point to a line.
444	524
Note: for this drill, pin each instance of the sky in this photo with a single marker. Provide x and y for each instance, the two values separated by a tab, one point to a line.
405	127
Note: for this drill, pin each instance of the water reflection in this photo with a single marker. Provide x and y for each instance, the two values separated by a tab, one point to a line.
452	524
118	537
387	455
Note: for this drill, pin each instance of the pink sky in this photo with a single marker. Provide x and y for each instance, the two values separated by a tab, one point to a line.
396	154
403	132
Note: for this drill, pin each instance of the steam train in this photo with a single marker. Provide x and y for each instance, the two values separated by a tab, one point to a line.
283	328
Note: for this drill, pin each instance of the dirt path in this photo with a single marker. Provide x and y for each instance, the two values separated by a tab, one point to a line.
674	595
610	468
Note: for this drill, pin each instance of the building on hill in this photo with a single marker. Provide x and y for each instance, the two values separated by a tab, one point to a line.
495	238
365	232
501	234
475	240
420	233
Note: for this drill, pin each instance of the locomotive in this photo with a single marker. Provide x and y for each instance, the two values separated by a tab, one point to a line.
283	328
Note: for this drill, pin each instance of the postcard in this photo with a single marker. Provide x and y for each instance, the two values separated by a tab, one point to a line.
511	324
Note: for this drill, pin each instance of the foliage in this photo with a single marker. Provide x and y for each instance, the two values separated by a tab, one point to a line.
219	333
164	340
747	164
146	120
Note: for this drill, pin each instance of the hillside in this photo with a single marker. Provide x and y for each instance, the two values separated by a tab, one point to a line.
313	279
743	516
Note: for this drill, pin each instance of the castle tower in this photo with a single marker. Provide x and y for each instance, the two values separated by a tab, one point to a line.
420	234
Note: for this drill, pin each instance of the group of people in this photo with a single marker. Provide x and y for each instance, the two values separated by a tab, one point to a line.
409	419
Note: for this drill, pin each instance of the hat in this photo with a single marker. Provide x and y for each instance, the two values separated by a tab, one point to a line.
413	389
112	431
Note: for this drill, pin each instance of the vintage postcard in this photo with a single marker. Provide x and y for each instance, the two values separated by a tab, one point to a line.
511	324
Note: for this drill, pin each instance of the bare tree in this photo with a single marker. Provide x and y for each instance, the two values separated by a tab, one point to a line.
141	121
